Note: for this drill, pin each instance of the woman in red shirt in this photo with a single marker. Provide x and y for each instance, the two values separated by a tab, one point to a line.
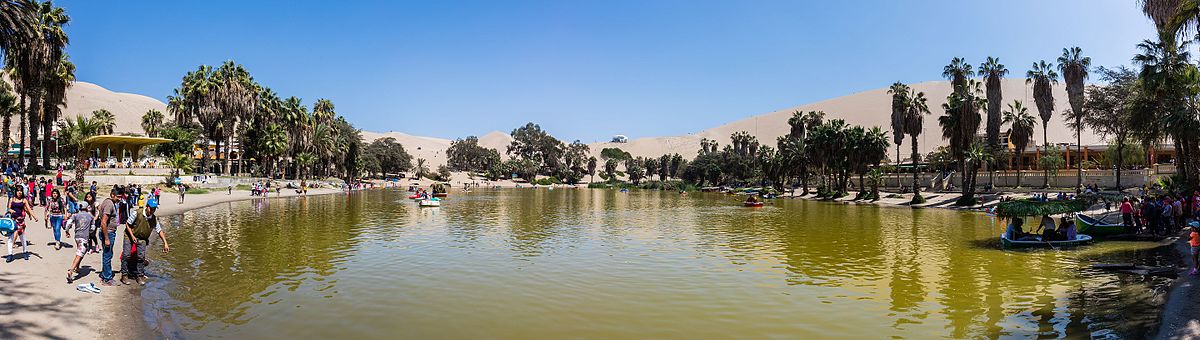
1127	213
1194	240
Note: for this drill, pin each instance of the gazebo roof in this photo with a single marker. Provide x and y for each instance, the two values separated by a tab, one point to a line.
122	142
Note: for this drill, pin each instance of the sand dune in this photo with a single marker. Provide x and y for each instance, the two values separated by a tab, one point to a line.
868	108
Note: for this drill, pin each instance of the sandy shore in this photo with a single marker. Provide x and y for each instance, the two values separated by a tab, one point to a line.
37	302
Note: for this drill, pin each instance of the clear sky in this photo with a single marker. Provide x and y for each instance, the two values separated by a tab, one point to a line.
582	69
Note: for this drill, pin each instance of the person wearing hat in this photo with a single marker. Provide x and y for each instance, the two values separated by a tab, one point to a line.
138	235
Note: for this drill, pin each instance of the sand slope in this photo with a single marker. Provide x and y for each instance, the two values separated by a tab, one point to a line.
868	108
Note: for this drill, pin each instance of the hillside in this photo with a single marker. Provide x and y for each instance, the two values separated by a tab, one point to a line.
868	108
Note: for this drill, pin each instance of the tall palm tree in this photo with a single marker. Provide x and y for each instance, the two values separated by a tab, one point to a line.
899	92
1074	67
56	99
72	137
914	122
1042	76
42	63
105	121
1020	130
993	71
323	111
8	107
152	122
958	71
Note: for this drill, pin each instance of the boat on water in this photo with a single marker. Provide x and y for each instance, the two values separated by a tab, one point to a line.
429	203
1093	226
752	204
440	195
1036	242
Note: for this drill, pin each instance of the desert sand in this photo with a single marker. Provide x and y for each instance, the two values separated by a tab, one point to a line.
868	108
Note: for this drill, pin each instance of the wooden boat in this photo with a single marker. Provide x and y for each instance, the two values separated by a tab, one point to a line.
1080	239
440	194
753	204
1091	226
429	203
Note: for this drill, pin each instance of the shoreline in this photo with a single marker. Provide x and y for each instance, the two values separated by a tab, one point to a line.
40	304
47	308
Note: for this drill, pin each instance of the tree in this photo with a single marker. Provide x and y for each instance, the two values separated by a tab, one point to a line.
305	160
651	165
421	170
8	107
914	122
467	155
1020	131
105	120
960	126
393	158
610	169
615	153
272	146
1111	109
72	137
179	163
634	170
993	71
56	86
152	122
591	168
183	141
532	143
1052	160
1074	67
1042	76
900	99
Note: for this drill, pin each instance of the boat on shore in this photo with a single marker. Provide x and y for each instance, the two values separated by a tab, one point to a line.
1093	226
1036	242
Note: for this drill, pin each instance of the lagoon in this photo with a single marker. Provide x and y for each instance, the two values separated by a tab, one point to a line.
538	263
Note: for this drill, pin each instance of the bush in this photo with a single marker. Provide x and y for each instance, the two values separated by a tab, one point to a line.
547	181
918	199
597	186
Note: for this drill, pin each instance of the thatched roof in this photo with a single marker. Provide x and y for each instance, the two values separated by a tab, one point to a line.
1020	208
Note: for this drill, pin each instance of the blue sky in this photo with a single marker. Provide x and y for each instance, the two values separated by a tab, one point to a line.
582	69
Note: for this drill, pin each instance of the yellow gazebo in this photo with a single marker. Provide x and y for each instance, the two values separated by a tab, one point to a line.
105	144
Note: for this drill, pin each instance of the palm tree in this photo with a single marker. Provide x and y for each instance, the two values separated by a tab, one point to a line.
914	121
1020	130
273	145
56	98
44	63
591	168
421	169
72	138
305	160
1042	76
323	110
993	71
179	163
105	121
957	72
960	126
8	107
152	122
899	93
1074	67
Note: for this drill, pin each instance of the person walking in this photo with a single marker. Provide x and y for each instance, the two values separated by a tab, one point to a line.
81	222
54	211
108	233
18	210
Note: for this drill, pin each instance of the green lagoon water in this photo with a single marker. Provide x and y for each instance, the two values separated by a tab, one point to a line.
540	264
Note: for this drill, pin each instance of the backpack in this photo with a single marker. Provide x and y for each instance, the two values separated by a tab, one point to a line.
143	227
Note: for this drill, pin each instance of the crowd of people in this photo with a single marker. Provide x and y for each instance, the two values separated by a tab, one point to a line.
1159	215
71	209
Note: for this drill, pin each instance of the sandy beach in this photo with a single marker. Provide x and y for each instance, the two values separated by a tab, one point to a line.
38	302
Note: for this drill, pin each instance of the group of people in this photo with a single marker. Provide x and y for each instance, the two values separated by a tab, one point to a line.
95	223
1046	231
1161	215
259	189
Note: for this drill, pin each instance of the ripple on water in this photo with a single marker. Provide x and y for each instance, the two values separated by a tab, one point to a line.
596	263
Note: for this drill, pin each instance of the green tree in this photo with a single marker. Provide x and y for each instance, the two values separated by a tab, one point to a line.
72	137
1074	67
960	126
1042	76
591	169
106	121
900	103
1111	114
152	122
914	122
1020	131
993	72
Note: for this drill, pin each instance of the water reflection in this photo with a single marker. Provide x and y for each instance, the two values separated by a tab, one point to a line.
600	263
